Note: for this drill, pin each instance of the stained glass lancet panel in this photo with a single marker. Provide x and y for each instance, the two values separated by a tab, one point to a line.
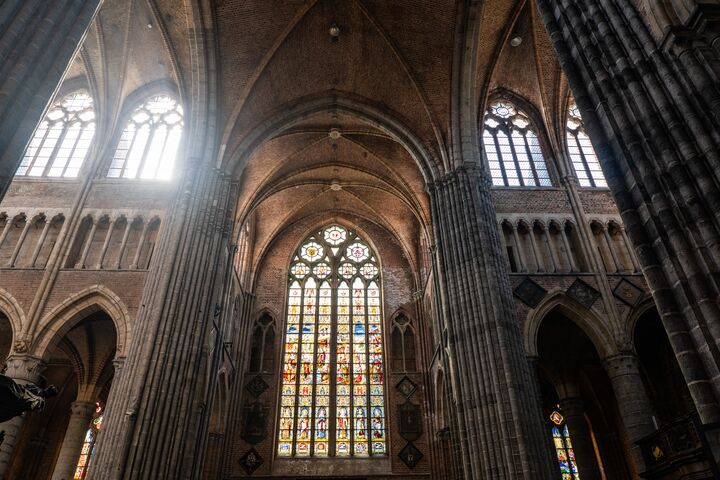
334	318
88	446
564	448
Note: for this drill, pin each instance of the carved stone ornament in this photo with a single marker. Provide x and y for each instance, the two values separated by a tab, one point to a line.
627	292
406	387
530	293
410	421
583	293
254	423
257	386
251	461
410	455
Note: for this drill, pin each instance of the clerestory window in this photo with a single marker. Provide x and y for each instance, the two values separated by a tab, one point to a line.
62	140
583	157
512	148
150	141
332	399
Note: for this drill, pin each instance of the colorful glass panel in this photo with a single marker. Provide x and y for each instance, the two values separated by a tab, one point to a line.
333	319
563	448
88	447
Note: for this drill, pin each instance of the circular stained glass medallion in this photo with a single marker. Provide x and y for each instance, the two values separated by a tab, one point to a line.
299	270
312	251
321	270
357	252
335	235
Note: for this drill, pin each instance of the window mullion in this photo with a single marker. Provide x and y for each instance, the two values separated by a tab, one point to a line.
531	160
515	158
124	167
501	158
33	160
72	151
586	166
298	364
56	147
148	142
313	408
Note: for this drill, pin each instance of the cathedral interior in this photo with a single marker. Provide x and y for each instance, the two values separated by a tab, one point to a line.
363	239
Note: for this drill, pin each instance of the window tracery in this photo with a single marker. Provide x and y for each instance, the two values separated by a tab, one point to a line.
583	157
334	324
62	140
512	148
150	141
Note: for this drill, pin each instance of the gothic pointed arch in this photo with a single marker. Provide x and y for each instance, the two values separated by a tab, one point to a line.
65	315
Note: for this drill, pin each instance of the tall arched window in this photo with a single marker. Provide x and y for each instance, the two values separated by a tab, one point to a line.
88	447
62	140
563	447
585	162
512	148
149	144
334	325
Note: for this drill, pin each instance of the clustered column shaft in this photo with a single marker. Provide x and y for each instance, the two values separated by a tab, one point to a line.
500	427
667	189
158	396
37	41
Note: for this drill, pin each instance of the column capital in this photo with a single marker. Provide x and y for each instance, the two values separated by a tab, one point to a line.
24	368
621	363
82	408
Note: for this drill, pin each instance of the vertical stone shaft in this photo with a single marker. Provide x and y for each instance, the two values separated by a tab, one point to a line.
38	39
80	416
633	402
499	419
23	369
156	406
666	189
581	437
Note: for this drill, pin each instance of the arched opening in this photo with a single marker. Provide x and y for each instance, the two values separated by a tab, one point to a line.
575	385
79	363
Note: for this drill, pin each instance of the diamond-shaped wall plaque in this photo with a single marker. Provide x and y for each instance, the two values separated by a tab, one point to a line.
410	455
530	293
627	292
583	293
251	461
406	387
257	386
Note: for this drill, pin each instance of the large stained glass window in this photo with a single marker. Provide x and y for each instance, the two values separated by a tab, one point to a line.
88	447
62	140
585	162
332	400
563	447
149	144
513	149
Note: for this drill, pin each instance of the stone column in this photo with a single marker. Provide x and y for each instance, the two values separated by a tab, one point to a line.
164	373
581	437
499	420
80	416
23	369
633	402
660	153
38	39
